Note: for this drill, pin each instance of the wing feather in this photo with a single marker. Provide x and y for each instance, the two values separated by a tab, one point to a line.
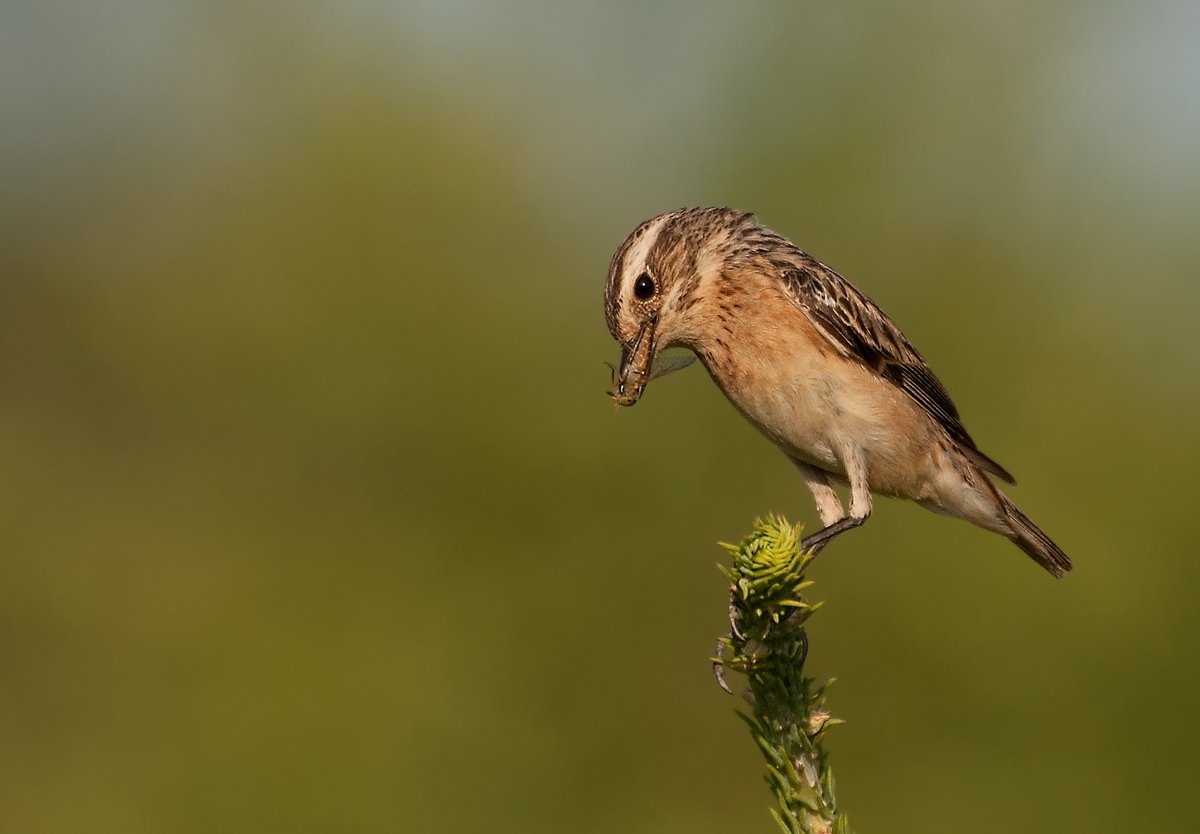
857	327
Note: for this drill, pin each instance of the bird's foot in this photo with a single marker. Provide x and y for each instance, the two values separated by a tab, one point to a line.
816	542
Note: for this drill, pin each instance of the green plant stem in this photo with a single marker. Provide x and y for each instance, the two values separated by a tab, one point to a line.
768	643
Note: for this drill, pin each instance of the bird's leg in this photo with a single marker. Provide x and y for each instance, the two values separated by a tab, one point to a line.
829	505
860	501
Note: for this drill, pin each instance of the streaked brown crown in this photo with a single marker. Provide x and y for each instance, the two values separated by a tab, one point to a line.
667	248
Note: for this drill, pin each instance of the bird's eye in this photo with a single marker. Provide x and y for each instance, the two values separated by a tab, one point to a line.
643	287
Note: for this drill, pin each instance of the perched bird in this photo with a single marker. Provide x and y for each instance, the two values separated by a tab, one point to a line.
812	363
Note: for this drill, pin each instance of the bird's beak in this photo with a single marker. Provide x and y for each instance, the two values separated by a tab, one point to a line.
636	361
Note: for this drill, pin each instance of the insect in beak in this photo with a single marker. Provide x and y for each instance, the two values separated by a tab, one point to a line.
640	365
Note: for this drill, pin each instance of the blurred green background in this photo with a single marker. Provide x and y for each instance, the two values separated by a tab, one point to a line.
315	516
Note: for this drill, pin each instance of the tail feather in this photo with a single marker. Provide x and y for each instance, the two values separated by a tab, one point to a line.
987	464
1030	538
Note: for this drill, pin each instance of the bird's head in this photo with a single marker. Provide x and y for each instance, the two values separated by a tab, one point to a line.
656	280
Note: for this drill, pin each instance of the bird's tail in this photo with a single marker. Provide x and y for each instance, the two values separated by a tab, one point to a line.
1030	538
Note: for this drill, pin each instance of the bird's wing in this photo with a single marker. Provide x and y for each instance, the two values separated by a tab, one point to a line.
856	327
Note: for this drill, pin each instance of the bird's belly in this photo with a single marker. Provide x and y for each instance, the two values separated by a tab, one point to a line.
793	419
821	415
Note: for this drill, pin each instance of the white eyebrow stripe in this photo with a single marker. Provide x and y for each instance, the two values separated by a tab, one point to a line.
635	259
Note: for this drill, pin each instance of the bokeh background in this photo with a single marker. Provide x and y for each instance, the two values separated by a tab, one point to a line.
314	515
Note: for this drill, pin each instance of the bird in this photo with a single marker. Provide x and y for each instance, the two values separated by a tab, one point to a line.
812	363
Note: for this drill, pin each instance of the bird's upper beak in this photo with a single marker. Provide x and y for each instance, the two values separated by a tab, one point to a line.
636	361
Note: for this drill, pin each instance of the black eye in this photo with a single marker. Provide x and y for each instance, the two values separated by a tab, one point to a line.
643	287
